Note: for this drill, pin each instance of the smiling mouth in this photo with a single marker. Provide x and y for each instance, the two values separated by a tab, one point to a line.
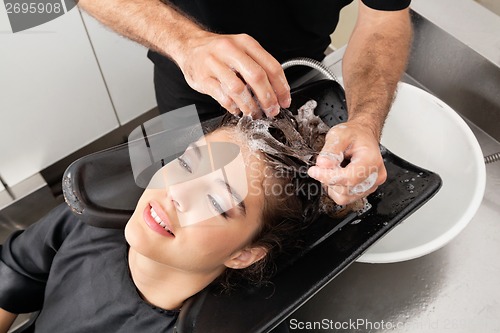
158	220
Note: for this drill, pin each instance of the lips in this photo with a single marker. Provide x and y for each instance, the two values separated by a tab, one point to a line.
157	220
160	221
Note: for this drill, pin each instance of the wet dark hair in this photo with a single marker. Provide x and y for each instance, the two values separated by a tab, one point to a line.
289	151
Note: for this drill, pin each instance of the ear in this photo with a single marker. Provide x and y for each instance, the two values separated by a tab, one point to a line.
246	257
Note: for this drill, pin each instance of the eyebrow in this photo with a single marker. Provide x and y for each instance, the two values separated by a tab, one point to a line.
235	195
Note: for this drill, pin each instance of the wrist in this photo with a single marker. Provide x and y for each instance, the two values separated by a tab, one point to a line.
368	123
174	32
186	42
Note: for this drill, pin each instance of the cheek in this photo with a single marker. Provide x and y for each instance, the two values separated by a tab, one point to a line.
216	241
209	238
148	195
139	237
133	234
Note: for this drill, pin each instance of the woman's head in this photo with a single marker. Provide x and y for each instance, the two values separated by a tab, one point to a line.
201	222
252	209
292	198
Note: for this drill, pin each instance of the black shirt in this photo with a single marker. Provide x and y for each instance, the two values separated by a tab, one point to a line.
285	28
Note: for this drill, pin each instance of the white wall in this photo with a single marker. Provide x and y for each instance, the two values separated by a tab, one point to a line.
53	99
125	68
348	16
60	90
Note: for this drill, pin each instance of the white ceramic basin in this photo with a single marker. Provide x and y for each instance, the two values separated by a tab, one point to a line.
425	131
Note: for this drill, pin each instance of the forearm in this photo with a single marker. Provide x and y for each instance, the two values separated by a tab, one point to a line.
374	62
6	320
152	23
233	69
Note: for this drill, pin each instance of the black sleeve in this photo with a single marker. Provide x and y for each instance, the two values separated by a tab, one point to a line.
389	5
26	258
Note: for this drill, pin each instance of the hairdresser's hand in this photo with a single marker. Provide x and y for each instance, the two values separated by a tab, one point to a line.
237	72
354	142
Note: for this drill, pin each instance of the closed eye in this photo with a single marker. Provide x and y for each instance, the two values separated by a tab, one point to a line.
184	165
216	206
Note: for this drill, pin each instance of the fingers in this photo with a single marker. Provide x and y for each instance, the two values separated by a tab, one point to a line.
249	77
274	72
340	195
350	164
346	185
256	77
332	154
260	71
233	87
213	88
356	179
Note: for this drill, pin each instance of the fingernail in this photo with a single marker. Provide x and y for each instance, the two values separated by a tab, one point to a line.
234	108
286	102
275	110
272	111
313	172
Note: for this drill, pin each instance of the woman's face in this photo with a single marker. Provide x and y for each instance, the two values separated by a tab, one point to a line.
199	221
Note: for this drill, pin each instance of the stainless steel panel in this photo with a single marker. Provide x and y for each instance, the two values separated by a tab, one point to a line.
493	5
456	74
31	200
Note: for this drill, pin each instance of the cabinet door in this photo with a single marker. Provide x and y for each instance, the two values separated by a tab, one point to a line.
126	69
53	99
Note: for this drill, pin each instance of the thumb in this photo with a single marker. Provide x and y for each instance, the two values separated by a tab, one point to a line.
328	159
332	153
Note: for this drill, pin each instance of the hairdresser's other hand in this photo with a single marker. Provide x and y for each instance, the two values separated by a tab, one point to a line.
236	71
354	142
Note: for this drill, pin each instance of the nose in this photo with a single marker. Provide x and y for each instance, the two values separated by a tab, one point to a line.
182	195
176	204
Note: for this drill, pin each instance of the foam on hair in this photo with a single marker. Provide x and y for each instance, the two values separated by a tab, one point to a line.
290	144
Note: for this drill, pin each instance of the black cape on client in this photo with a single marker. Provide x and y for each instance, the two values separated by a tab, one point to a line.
80	274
